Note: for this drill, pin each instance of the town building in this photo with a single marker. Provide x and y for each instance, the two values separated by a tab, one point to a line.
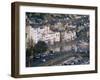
44	33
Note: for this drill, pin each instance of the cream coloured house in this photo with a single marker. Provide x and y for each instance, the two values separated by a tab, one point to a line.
44	34
47	35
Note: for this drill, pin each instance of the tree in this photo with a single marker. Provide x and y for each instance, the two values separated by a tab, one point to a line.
40	47
29	51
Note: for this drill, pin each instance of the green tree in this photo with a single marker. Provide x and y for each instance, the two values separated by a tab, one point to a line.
40	47
29	51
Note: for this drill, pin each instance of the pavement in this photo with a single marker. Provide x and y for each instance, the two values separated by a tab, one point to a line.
58	58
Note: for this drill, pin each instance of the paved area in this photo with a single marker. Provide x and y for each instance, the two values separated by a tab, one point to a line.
62	58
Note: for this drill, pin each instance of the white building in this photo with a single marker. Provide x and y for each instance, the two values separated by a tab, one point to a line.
44	34
68	36
51	37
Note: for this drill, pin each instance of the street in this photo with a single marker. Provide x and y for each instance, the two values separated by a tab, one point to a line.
69	56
